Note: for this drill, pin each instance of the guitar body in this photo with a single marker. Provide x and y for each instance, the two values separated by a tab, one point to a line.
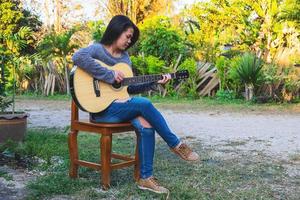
83	85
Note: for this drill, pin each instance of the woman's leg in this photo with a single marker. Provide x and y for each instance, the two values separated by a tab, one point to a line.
139	106
146	148
146	141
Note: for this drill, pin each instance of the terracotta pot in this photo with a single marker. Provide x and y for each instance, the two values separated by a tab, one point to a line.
13	126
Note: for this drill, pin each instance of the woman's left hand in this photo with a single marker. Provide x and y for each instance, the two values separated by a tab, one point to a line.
166	78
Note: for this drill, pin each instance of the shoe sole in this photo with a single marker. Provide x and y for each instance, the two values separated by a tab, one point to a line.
144	188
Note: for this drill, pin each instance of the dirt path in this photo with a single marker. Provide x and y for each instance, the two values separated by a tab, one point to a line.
277	134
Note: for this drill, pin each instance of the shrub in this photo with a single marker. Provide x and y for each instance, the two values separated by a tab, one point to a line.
148	64
226	95
160	39
249	71
223	66
97	29
189	86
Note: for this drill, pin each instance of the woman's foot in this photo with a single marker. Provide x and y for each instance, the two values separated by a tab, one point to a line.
185	152
151	184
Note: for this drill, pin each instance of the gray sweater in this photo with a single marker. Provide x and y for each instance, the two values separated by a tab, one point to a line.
85	59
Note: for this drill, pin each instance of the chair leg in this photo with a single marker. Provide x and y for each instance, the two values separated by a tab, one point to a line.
106	142
73	149
137	164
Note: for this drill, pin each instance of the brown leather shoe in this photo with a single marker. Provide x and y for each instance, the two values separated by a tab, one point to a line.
152	185
185	152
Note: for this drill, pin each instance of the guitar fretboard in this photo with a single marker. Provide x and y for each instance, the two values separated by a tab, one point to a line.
144	79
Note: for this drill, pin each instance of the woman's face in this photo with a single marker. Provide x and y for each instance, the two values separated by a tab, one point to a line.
125	39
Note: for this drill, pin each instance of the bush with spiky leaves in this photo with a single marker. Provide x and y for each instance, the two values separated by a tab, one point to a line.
249	69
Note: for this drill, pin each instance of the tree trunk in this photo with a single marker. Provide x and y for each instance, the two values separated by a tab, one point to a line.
249	93
57	24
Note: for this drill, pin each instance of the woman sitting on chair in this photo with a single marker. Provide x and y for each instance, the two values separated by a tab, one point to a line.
120	34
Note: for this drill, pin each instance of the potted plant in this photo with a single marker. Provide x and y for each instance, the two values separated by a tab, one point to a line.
13	124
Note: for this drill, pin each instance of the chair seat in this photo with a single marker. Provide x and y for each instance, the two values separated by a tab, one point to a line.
102	128
104	125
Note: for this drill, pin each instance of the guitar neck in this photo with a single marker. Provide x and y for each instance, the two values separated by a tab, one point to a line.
144	79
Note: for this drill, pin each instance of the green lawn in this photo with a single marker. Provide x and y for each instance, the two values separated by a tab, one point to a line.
248	176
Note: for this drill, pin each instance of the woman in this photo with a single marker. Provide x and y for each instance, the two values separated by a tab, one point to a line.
120	34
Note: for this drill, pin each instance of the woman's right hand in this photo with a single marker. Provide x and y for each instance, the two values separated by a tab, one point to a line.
119	75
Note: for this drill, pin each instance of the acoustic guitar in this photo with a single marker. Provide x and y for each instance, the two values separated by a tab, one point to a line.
93	95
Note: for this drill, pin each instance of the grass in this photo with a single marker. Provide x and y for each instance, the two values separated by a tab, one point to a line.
246	177
39	96
6	176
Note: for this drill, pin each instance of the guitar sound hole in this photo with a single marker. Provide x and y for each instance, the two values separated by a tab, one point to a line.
116	85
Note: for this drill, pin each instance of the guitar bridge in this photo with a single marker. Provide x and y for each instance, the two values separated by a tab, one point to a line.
96	87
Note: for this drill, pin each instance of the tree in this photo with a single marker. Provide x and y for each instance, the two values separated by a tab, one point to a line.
59	15
267	12
58	47
291	11
161	39
16	36
218	22
14	43
138	10
10	15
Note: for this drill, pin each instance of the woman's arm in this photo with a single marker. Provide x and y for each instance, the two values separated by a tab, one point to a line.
141	87
84	58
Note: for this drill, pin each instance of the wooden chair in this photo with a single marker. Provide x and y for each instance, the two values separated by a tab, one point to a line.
106	130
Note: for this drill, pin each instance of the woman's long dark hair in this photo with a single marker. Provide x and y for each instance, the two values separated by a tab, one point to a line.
117	25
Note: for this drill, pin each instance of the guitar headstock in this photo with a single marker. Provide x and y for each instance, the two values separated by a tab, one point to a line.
182	74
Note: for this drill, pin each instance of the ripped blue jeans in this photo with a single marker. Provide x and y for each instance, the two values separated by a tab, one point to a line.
129	111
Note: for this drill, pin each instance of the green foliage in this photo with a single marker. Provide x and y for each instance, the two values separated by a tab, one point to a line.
57	45
291	11
5	102
13	44
271	73
222	65
10	14
97	29
148	64
249	69
220	22
162	40
291	80
227	72
12	47
235	82
155	65
226	95
189	64
139	63
16	40
189	86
